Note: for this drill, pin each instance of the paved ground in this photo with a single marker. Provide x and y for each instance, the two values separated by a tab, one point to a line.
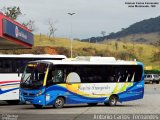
149	105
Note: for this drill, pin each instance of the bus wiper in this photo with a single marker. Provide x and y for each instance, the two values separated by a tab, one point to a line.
27	79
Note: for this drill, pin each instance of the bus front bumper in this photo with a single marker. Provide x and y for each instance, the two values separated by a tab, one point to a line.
30	97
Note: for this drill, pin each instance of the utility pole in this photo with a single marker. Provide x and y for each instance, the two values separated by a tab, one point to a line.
71	14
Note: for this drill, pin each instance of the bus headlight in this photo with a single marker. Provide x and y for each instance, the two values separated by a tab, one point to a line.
39	93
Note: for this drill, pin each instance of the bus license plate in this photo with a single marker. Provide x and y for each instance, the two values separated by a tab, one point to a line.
28	102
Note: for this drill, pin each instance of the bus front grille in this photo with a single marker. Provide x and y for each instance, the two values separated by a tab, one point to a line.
28	94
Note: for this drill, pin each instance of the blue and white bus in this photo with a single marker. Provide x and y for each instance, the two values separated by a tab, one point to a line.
90	80
11	68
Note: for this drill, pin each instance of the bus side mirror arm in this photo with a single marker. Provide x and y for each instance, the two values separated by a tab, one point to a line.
18	72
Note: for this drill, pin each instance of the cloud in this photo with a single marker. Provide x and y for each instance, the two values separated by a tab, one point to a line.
92	16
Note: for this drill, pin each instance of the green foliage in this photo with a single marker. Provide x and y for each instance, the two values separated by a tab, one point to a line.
29	24
152	71
12	12
124	47
157	54
126	56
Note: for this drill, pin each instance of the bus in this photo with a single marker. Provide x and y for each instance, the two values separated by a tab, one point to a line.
11	68
90	80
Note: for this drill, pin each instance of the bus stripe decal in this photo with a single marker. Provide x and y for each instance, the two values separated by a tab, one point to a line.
9	84
57	87
5	91
3	82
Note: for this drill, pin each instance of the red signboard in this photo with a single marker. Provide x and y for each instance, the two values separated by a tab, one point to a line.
14	35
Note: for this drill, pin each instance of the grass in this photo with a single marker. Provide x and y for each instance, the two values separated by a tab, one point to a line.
143	52
119	49
150	38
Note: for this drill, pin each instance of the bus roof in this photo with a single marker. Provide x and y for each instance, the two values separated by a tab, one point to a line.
90	61
31	56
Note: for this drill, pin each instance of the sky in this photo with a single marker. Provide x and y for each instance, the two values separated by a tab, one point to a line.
90	18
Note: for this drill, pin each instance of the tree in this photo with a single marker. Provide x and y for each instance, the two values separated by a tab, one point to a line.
157	54
12	12
116	45
30	25
52	28
103	33
158	44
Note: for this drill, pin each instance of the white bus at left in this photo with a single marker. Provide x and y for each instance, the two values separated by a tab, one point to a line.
11	68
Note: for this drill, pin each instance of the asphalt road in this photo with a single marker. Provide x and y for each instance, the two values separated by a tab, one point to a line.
149	105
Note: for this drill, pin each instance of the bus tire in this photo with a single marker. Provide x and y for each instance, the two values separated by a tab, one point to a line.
92	104
59	102
112	100
38	106
13	102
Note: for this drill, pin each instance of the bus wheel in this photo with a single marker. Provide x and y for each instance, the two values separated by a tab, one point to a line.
59	102
13	102
112	100
92	104
38	106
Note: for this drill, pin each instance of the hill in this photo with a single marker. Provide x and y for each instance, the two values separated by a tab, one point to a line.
149	38
119	49
149	27
143	27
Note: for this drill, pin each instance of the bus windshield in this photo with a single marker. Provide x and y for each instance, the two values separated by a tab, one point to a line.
33	76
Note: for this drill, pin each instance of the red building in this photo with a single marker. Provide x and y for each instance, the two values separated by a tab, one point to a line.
14	35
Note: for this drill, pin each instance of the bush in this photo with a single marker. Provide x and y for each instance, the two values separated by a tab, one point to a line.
126	56
152	71
156	56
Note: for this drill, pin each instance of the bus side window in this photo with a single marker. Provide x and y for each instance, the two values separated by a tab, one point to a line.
19	64
50	78
6	66
138	73
1	66
55	76
58	76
